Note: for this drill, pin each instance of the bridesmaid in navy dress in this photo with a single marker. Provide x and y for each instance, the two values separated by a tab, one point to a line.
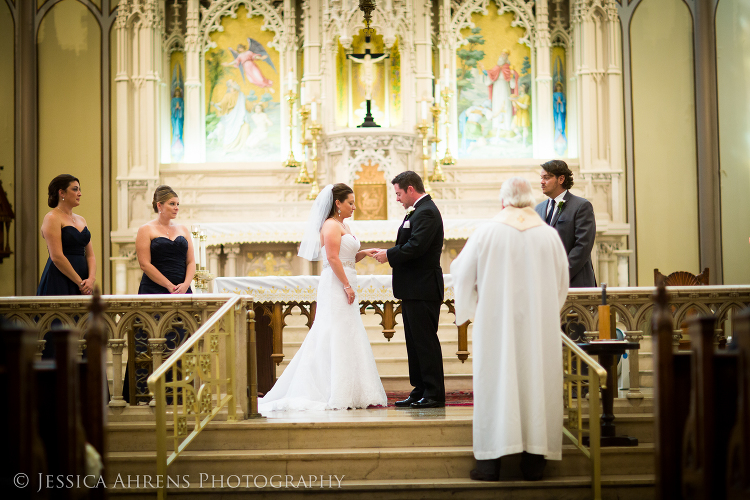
71	266
165	250
165	254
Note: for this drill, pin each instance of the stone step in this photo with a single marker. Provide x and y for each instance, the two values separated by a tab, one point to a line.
403	463
620	487
384	348
453	382
455	429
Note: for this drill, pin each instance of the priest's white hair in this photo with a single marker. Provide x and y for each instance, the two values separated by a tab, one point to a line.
516	192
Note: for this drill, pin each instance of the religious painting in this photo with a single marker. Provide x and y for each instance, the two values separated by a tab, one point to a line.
559	101
493	81
370	193
243	108
177	106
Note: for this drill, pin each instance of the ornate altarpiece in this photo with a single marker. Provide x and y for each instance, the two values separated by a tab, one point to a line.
307	36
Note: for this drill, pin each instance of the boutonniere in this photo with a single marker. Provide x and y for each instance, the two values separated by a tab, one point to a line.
560	205
409	211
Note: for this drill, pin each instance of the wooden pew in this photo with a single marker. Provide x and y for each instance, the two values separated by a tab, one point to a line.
698	405
55	407
738	455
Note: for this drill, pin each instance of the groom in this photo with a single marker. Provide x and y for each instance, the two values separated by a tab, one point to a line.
418	282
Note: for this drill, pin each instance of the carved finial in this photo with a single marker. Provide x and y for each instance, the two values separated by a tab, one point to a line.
660	296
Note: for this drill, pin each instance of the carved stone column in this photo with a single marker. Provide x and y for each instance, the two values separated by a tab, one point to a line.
116	346
232	252
121	273
195	148
156	346
544	127
124	118
213	260
40	348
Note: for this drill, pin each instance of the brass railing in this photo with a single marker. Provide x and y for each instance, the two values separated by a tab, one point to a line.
196	383
575	383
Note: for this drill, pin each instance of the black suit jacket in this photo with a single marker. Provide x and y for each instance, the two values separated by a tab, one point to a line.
415	259
577	229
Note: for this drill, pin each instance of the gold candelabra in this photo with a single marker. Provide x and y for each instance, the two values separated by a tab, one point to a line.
447	93
424	129
304	177
437	171
291	97
315	129
202	275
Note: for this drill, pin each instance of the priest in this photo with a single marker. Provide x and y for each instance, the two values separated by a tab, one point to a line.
511	280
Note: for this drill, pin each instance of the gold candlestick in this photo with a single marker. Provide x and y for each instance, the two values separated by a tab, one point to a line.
291	97
315	129
437	171
304	177
447	93
423	128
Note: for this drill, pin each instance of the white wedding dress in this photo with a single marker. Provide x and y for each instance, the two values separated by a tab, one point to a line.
334	368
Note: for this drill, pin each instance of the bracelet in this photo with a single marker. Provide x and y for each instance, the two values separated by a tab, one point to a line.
347	286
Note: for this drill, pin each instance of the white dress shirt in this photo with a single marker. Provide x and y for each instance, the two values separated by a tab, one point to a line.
553	206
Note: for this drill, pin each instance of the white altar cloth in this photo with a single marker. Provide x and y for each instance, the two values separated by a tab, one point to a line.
370	287
291	232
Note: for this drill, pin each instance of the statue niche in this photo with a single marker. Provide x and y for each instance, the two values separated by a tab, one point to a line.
371	193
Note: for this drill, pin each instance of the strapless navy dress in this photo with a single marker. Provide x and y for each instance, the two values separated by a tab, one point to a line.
53	281
170	258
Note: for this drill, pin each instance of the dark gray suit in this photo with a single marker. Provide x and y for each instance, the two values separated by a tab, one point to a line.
577	229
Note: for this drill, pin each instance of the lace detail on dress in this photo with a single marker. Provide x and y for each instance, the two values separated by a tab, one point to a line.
346	263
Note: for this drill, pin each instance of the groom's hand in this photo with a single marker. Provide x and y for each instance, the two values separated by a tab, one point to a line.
371	252
381	256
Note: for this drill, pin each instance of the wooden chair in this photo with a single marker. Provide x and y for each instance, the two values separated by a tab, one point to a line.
681	278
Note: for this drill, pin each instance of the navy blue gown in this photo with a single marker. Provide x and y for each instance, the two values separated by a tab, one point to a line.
169	257
53	281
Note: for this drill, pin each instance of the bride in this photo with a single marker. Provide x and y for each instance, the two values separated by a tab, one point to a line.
334	368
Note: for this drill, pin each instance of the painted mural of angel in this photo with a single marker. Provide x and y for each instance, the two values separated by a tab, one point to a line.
245	58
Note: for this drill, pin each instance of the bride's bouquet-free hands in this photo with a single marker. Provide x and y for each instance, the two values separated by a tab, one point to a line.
370	252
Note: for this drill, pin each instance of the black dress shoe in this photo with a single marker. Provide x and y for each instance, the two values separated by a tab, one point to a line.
406	402
532	466
428	403
486	470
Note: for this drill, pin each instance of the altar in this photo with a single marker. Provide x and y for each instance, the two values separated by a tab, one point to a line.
370	288
252	125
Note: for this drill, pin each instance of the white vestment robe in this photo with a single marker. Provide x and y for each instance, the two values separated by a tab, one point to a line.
511	280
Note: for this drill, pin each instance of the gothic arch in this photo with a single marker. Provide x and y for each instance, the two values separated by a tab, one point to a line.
272	20
522	12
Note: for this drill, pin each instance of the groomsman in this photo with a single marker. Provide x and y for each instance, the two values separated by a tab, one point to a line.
418	282
573	217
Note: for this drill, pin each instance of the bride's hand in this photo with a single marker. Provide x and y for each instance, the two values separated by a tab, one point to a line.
370	252
349	295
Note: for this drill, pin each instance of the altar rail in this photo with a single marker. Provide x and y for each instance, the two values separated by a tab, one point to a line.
159	316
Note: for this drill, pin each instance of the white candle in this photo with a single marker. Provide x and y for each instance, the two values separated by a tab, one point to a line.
447	75
203	249
437	93
290	77
424	109
195	235
303	94
314	114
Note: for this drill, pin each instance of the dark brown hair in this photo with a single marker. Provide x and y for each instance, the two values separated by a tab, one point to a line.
62	181
340	193
162	194
558	168
409	178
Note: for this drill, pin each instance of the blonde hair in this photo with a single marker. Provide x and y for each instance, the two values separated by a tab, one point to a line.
162	194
